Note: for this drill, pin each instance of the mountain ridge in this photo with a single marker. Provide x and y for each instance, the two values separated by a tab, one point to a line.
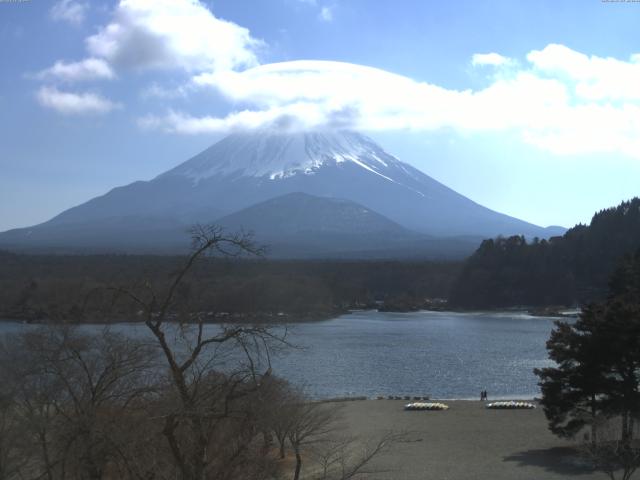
248	168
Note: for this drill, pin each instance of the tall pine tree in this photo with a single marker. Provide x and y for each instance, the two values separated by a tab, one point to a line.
598	362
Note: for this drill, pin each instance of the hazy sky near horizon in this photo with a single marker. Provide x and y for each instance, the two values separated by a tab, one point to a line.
529	108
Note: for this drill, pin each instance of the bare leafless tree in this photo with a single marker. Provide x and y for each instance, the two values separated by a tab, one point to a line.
616	451
280	401
73	394
207	399
311	423
315	431
12	437
190	400
345	458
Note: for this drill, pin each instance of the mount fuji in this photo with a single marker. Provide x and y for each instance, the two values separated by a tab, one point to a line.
319	193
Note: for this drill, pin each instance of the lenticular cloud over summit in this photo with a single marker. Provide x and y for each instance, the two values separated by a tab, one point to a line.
549	106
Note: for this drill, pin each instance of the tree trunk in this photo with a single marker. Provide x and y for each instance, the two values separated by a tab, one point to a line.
594	428
296	474
282	453
267	440
45	455
625	430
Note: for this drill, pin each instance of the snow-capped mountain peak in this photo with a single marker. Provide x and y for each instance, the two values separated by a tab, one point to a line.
275	155
318	184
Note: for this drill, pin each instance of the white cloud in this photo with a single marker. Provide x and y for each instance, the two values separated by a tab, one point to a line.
144	34
69	11
369	98
290	117
493	59
182	34
87	69
592	77
326	14
156	90
74	103
562	101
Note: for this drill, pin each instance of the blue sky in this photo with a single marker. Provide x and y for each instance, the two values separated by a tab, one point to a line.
530	108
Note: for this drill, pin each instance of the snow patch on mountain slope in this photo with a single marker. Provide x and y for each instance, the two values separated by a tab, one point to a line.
274	155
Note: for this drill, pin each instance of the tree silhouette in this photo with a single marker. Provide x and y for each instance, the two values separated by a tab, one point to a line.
567	270
597	378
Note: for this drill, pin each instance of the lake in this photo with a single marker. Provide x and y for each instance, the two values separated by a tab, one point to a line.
442	354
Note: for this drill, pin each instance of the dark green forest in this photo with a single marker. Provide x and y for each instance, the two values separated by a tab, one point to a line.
503	272
568	270
37	287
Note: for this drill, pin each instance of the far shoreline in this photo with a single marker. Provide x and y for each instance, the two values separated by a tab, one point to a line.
287	318
502	398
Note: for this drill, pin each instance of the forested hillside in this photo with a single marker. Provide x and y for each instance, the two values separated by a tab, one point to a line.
40	286
566	270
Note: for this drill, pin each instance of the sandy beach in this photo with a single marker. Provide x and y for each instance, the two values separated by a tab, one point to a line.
466	442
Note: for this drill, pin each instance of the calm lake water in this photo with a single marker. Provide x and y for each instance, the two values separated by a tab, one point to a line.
442	354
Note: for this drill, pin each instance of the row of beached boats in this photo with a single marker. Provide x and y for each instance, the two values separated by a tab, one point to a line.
426	406
501	405
510	404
